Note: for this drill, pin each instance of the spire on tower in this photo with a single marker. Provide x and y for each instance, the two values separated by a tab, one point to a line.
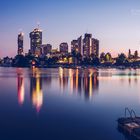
38	24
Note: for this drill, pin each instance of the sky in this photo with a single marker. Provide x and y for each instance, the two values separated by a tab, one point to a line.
116	23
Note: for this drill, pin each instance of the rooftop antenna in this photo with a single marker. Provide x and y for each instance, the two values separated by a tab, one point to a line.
38	24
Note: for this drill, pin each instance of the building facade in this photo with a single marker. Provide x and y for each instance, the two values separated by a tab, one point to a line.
87	45
90	46
46	49
95	47
63	48
20	43
76	45
36	41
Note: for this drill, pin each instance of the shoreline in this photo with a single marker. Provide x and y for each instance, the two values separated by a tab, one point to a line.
76	67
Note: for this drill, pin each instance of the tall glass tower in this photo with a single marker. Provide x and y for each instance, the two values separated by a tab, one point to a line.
87	44
20	43
36	41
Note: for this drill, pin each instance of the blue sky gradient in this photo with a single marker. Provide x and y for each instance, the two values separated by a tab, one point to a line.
116	23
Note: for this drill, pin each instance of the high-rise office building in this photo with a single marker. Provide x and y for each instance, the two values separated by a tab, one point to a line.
80	44
76	45
20	44
87	45
95	47
36	41
90	46
46	48
63	48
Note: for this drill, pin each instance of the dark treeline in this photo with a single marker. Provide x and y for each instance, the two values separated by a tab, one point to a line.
73	59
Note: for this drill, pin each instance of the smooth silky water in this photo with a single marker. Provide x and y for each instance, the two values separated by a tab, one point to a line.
66	104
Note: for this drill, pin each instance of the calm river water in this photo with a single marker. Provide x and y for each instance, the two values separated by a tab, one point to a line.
66	104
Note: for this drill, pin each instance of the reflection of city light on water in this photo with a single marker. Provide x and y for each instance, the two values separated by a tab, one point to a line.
71	79
77	75
83	84
79	84
90	83
90	86
20	89
20	86
37	98
61	78
36	90
61	72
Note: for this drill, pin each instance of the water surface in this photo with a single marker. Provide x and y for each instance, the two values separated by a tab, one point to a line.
65	104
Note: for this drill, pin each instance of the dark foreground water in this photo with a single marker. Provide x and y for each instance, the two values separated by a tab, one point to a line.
65	104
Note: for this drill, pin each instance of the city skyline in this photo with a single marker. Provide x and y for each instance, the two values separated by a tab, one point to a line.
87	46
70	69
115	24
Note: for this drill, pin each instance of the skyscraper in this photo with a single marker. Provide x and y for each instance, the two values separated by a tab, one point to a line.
90	46
20	44
80	45
46	48
87	45
95	47
76	45
36	41
63	48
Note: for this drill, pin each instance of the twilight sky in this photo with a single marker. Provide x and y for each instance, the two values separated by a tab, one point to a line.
116	23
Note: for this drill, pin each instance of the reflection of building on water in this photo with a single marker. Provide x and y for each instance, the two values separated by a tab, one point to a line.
20	84
63	79
75	81
90	84
80	82
132	80
47	81
36	90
